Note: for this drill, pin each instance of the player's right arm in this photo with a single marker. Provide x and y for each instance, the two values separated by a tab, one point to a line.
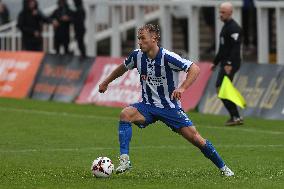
119	71
128	64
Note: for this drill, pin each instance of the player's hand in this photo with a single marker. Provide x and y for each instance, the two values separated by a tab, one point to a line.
65	18
36	34
34	12
228	69
103	87
55	23
177	93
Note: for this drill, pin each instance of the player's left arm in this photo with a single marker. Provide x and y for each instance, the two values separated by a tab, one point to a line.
191	76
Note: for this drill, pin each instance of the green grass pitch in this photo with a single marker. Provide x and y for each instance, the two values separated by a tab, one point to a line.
52	145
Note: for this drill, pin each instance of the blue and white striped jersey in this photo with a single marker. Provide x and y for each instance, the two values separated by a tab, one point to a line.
159	77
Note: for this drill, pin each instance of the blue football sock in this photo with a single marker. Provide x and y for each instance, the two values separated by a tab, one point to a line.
125	134
210	152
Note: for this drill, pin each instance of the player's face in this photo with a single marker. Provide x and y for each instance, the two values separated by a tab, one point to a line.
225	14
32	4
146	40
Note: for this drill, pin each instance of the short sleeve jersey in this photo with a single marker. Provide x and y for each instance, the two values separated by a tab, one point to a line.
159	77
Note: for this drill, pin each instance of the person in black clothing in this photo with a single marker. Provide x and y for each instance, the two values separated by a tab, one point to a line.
30	22
4	18
4	13
249	26
61	20
79	16
229	57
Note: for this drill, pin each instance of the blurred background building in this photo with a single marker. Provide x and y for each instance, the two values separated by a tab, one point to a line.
188	27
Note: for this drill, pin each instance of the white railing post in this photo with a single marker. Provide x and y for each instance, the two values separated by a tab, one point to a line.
91	31
218	27
115	35
50	39
280	35
193	28
166	27
262	35
13	36
124	10
139	18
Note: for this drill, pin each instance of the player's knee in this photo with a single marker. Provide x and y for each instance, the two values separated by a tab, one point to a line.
125	115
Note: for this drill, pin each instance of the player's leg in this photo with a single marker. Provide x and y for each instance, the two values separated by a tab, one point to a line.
192	135
127	116
179	122
206	147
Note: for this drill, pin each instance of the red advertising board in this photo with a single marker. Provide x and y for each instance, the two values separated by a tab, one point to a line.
126	89
121	92
191	97
17	72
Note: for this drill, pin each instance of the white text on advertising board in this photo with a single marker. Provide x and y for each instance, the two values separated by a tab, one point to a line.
125	89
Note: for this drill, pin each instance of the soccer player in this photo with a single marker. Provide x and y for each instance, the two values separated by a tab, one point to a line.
229	57
158	69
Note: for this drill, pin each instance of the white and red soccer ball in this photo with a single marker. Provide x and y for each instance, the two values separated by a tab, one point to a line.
102	167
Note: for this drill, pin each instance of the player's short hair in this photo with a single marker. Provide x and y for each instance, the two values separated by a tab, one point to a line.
153	29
